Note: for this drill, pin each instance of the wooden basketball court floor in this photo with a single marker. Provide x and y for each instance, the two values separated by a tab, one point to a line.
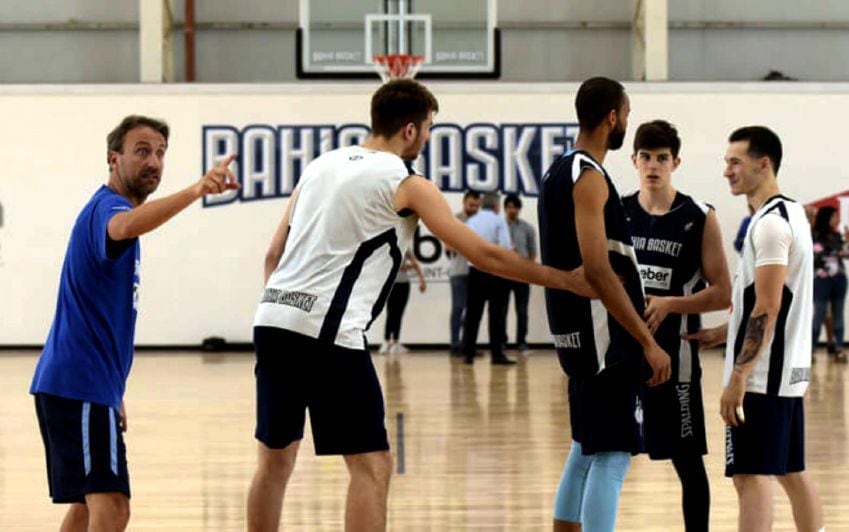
483	448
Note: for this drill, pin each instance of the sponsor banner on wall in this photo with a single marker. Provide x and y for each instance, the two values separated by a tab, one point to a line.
506	158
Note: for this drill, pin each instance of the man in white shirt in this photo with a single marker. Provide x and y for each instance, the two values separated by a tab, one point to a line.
328	272
487	290
768	350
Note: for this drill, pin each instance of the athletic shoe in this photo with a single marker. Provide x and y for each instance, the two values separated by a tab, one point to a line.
399	348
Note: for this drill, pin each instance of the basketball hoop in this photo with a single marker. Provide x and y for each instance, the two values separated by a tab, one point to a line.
397	66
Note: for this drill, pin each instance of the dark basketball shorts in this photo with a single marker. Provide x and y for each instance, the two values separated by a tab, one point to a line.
675	420
84	448
771	441
339	387
606	412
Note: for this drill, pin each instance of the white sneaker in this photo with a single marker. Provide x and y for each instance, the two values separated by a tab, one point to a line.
398	348
384	348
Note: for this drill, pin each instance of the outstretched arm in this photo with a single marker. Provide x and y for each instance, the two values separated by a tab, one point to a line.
150	215
422	197
708	338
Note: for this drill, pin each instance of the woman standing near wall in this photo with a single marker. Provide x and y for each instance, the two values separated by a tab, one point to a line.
829	276
398	302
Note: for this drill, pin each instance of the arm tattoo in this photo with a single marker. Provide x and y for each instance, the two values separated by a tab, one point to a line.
755	329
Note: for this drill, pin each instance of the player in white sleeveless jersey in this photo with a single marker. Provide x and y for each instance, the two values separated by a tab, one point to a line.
328	272
768	352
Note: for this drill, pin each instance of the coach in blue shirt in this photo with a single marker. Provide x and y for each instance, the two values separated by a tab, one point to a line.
487	289
81	375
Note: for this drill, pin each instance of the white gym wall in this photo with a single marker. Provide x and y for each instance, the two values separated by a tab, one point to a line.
202	272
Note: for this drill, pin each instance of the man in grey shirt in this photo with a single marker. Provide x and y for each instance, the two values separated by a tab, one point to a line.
458	273
485	289
523	236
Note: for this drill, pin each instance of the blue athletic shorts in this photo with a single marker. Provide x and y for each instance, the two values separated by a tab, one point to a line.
338	386
771	441
84	448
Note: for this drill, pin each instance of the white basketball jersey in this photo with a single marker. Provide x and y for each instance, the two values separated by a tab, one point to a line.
344	247
784	367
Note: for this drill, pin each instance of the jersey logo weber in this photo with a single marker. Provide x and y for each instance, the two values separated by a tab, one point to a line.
656	277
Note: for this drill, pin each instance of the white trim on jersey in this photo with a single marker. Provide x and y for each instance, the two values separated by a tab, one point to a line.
705	208
685	353
628	251
576	166
783	368
601	331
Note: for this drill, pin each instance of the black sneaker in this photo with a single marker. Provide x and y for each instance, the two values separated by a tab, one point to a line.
502	361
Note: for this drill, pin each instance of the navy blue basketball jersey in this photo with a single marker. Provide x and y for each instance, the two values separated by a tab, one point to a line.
586	337
669	250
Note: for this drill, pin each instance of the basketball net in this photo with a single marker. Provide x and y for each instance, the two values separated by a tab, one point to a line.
397	66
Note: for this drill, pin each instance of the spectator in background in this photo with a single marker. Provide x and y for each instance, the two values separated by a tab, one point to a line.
397	302
523	236
486	289
458	273
829	276
811	213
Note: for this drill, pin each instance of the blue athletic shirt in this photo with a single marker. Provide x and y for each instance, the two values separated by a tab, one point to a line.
89	349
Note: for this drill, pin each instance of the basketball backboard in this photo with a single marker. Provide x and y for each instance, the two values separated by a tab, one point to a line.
458	39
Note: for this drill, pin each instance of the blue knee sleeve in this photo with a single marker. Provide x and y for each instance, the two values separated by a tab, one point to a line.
601	492
570	492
